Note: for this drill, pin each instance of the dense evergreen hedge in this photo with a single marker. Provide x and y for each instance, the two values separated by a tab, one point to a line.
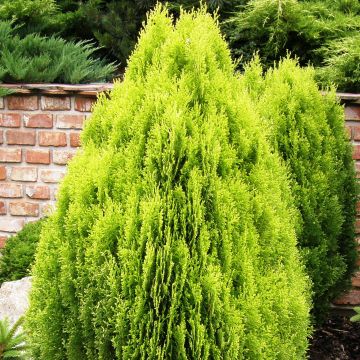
174	234
307	129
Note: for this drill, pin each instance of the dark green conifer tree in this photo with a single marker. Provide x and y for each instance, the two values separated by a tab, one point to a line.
174	234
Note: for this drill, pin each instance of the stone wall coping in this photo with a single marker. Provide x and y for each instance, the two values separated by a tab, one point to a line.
349	97
59	89
95	88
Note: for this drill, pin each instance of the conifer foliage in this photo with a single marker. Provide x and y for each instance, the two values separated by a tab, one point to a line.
174	234
307	129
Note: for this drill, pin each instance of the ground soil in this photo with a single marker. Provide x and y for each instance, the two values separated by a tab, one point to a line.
337	339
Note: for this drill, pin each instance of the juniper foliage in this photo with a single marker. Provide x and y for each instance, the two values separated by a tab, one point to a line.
36	58
316	32
174	233
307	129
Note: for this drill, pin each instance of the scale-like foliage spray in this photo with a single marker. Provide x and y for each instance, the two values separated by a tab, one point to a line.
174	233
307	129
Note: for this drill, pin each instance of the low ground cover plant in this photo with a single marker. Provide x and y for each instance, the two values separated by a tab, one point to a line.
18	254
36	58
307	129
174	233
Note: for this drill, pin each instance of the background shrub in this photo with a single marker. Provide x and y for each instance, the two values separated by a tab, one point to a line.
317	32
170	239
307	129
19	252
39	59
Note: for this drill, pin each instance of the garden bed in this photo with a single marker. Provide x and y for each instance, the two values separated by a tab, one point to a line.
337	339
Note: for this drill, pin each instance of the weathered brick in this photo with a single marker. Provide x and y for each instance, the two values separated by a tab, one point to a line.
51	176
38	192
52	138
18	137
357	226
2	208
2	172
352	112
3	240
22	102
38	121
10	224
1	136
350	298
10	155
75	139
8	190
84	103
64	121
356	152
10	120
55	103
37	156
23	208
355	132
1	102
356	280
62	157
24	173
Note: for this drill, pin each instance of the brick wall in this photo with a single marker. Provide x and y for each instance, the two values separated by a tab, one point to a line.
352	123
39	133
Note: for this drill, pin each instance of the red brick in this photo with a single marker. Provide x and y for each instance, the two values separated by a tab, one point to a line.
10	155
18	137
352	112
24	209
62	157
356	152
8	190
84	103
24	173
357	226
350	298
1	136
10	120
356	280
75	139
2	208
51	176
55	103
38	121
2	172
37	156
52	138
3	241
38	192
22	102
355	131
11	225
70	121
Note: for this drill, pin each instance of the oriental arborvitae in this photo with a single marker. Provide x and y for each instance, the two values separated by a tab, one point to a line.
174	232
307	129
